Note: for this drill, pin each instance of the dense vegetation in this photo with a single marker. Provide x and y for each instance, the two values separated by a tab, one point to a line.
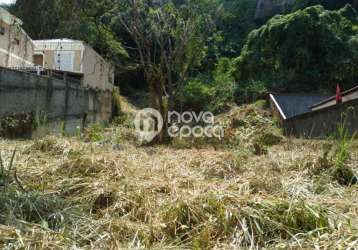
328	4
309	50
253	188
198	54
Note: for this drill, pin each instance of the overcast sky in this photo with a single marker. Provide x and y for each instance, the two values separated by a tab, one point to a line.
6	1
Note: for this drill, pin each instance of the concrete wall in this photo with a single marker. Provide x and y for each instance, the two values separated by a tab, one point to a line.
324	122
16	47
59	102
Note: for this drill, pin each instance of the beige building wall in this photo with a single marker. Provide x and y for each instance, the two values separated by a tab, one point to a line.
97	72
16	47
49	59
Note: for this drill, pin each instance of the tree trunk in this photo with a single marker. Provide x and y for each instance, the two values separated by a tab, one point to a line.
158	102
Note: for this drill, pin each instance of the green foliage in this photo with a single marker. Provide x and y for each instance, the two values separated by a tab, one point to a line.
196	94
334	163
21	205
224	86
309	50
288	218
6	172
91	21
262	104
342	173
17	126
214	94
236	21
345	139
94	132
329	4
251	91
33	207
116	103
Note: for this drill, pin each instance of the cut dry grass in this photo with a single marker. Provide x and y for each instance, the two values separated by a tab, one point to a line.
114	194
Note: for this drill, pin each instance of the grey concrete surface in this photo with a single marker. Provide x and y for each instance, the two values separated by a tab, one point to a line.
57	101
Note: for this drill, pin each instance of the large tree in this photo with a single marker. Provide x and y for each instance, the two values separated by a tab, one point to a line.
170	40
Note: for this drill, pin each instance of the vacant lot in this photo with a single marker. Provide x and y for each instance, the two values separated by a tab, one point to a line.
254	189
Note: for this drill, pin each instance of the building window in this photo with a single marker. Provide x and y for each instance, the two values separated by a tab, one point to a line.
2	30
17	41
38	59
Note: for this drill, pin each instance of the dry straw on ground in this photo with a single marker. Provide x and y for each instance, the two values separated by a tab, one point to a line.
254	189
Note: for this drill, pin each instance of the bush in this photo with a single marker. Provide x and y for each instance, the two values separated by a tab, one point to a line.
334	163
251	91
215	93
94	132
195	95
224	86
116	103
17	126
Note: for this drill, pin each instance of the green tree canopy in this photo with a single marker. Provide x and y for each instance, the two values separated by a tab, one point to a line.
308	50
87	20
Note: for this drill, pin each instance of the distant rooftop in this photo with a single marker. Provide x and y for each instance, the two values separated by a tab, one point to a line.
296	104
326	100
64	40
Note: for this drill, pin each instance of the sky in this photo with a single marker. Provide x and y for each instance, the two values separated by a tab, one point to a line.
6	1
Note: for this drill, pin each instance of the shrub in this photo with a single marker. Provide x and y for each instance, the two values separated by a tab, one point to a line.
116	103
17	126
335	164
251	91
94	132
195	95
224	86
342	173
215	93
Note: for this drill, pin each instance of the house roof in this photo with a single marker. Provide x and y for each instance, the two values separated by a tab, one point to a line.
347	92
59	44
63	44
291	105
64	40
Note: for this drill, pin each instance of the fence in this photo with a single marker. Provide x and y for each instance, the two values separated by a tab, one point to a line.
57	102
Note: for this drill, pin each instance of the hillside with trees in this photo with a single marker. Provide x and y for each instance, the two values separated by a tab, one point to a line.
195	51
254	186
309	50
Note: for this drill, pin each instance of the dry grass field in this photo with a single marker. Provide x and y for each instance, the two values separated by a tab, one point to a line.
255	189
